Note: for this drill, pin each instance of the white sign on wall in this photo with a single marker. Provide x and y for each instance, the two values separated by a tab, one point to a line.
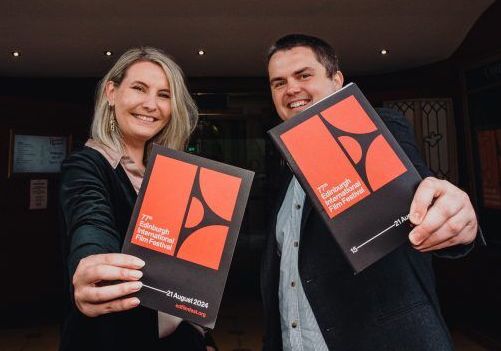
38	194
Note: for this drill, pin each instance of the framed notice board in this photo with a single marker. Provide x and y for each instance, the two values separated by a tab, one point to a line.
35	153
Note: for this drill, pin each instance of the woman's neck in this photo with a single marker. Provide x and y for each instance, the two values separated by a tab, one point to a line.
136	152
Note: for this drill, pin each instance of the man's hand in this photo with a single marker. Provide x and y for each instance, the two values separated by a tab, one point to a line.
443	216
96	290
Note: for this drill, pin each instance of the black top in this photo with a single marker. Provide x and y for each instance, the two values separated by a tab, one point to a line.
96	204
391	305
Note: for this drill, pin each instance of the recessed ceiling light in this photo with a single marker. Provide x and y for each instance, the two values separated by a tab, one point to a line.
16	53
384	52
108	53
201	52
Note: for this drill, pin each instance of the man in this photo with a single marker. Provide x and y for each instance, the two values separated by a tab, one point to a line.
311	297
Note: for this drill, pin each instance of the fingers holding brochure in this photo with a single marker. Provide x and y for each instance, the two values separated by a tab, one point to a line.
96	290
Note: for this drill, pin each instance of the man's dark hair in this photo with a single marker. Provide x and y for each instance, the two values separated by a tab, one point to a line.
324	53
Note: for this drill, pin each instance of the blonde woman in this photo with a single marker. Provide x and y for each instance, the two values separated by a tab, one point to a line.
143	99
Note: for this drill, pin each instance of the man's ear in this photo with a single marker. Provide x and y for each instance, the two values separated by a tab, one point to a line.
338	80
109	91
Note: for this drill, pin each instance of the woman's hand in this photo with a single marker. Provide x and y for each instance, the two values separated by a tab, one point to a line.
102	282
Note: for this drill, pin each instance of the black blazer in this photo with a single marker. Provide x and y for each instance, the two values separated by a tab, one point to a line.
392	305
96	204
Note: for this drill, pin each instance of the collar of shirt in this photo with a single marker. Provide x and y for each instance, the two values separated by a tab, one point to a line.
134	172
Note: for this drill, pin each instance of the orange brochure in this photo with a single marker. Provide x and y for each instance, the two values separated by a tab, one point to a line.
185	226
354	171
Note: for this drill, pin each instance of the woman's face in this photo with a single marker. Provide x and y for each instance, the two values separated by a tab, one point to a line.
141	102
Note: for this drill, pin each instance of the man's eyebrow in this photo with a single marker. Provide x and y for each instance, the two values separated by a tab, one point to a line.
301	70
276	79
295	73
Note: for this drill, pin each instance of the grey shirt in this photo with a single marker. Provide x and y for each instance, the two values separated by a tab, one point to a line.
300	329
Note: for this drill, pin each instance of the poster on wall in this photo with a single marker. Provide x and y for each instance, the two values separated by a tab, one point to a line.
489	146
38	194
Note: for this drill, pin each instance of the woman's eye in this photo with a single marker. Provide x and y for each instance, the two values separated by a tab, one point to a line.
164	96
138	88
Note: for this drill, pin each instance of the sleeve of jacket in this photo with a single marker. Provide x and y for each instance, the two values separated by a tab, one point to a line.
401	129
87	209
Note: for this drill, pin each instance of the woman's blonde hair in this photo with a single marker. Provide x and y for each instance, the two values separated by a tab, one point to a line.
184	113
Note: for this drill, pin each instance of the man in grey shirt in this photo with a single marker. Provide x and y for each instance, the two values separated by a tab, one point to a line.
312	299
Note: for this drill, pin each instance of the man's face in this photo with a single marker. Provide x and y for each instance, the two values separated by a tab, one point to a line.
298	80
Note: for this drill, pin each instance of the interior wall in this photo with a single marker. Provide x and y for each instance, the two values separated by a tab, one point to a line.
468	287
29	254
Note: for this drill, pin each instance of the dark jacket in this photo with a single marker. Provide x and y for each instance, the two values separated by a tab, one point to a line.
96	204
392	305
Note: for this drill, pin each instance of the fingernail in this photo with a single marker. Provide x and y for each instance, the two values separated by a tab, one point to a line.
414	238
136	274
140	263
135	301
415	217
137	286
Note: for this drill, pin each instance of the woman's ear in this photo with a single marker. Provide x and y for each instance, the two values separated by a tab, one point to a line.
109	91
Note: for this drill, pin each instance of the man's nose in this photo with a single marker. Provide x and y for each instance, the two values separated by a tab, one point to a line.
293	87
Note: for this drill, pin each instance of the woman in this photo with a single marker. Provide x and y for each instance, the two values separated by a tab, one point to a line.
142	100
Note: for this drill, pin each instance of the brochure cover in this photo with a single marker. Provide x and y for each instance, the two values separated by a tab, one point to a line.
185	226
354	171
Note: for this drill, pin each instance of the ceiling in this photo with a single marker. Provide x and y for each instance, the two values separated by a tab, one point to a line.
68	38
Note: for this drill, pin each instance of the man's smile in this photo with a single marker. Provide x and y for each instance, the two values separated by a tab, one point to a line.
298	103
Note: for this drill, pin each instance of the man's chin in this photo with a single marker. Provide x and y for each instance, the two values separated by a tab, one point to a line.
296	111
286	117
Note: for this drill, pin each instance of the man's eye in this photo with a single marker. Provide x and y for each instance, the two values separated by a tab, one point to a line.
278	84
305	75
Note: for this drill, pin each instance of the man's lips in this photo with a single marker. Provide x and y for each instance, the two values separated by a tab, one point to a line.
298	103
